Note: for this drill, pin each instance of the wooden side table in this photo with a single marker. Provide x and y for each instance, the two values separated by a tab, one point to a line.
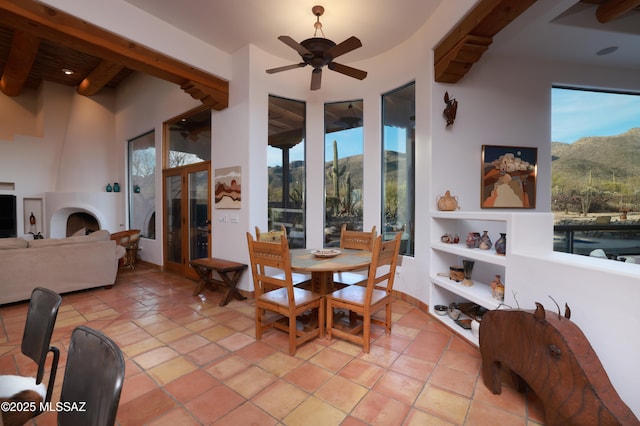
228	271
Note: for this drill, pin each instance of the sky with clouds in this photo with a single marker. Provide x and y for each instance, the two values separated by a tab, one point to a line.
580	113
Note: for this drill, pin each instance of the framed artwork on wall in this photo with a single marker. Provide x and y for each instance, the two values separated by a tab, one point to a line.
228	187
508	177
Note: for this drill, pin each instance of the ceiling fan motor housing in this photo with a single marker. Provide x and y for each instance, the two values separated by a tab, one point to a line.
317	46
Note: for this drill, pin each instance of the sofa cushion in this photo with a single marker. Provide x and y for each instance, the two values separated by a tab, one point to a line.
101	235
13	243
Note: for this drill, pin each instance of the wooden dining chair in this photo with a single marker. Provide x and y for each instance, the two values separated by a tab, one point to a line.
357	240
287	301
274	236
365	301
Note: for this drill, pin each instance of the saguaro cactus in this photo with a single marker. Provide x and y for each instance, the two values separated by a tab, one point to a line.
336	173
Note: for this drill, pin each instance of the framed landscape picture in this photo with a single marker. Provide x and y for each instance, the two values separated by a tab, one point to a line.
228	187
508	177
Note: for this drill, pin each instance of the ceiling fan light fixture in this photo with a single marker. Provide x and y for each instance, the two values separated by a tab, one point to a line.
319	52
351	120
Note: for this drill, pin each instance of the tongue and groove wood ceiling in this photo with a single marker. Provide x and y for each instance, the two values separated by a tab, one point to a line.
37	42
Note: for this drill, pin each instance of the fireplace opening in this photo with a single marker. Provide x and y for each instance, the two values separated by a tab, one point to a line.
77	221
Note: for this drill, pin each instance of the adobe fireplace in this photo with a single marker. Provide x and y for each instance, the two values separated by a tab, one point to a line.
100	210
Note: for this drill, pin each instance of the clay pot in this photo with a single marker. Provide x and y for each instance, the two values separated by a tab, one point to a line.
497	288
447	202
501	244
485	241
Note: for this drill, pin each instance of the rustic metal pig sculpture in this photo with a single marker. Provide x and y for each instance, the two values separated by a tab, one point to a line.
552	355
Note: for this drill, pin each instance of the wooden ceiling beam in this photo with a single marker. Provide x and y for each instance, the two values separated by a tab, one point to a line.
98	78
23	52
47	23
612	9
465	44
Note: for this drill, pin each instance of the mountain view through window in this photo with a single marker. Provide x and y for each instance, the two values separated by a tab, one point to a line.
595	173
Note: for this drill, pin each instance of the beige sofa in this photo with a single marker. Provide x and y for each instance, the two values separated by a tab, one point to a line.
62	265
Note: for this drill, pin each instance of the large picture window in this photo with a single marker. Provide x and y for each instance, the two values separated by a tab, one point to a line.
595	173
286	168
142	184
398	166
343	177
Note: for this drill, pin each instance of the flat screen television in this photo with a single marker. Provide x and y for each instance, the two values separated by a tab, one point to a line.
8	222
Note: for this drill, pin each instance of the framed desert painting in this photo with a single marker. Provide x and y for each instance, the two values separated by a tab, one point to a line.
508	177
228	187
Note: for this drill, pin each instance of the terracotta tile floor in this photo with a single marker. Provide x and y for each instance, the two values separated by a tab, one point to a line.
190	361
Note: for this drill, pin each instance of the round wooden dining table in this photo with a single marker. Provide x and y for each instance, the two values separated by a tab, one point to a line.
322	268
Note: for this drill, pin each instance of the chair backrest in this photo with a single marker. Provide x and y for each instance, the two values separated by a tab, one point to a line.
36	339
358	240
272	236
93	376
384	260
265	255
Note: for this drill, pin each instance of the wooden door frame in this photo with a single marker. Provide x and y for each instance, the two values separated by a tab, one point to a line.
183	267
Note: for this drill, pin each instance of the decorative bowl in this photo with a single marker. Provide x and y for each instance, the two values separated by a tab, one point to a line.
441	309
326	253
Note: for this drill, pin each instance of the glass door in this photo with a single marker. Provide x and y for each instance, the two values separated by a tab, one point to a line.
187	199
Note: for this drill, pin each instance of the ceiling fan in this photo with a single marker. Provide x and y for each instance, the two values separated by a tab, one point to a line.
320	51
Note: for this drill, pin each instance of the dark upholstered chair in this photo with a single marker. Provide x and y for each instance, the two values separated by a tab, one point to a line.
94	376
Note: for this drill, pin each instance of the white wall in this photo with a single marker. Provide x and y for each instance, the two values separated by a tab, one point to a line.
68	145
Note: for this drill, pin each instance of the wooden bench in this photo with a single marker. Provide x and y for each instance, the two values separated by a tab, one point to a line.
228	271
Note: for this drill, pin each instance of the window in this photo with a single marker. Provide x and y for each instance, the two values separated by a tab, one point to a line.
142	186
343	149
286	168
398	166
595	174
188	139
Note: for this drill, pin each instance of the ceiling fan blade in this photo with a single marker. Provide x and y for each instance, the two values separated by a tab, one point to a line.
286	68
346	46
303	51
346	70
316	78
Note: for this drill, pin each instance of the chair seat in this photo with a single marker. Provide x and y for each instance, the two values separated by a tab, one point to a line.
356	294
349	278
280	296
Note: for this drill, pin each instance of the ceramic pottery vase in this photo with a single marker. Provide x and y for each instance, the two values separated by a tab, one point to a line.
447	202
485	241
467	268
470	241
109	188
116	187
497	288
501	244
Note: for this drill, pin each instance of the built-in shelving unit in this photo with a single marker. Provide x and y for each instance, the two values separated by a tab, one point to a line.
520	230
